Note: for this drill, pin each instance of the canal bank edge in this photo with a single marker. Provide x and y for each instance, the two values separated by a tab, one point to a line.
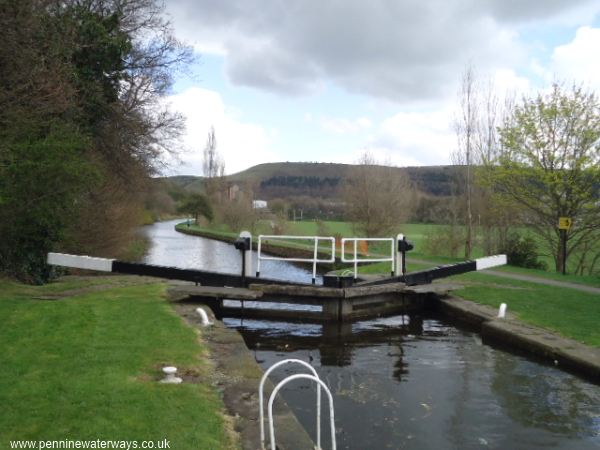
275	250
237	376
512	334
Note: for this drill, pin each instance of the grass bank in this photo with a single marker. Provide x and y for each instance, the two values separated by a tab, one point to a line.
569	312
85	367
280	247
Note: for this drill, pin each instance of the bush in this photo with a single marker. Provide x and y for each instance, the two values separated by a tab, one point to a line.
522	252
446	242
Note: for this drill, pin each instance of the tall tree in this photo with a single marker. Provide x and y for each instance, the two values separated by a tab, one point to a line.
549	164
466	127
213	166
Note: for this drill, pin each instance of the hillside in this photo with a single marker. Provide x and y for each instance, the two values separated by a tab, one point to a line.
324	180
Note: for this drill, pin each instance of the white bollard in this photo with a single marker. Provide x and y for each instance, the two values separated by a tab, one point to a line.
248	254
399	268
170	377
204	316
502	311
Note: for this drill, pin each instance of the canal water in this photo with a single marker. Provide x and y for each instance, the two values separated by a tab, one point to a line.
170	248
406	382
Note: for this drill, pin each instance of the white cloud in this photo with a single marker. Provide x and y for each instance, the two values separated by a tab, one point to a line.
507	81
406	55
410	139
402	50
241	144
417	138
577	60
345	126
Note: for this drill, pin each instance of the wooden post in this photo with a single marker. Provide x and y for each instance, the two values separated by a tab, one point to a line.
563	235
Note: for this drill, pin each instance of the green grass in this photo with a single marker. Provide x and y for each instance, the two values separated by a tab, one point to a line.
586	280
569	312
85	368
417	233
218	231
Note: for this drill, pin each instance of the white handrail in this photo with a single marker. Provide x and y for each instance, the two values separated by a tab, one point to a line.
261	395
298	377
355	259
314	260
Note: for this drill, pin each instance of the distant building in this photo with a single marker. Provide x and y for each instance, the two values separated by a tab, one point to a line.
232	191
259	204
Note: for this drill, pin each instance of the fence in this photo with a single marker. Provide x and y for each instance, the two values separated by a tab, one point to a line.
377	258
314	260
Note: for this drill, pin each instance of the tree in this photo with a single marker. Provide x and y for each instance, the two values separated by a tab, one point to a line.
476	127
239	214
197	205
82	124
378	197
43	169
466	128
549	164
213	166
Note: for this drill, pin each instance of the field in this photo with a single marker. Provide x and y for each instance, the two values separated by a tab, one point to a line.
86	368
417	233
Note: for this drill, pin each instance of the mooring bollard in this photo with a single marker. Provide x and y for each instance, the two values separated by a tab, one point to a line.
244	245
170	377
204	316
403	246
400	268
502	311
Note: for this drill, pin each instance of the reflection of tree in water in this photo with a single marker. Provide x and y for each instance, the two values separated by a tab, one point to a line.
463	397
334	346
413	327
539	396
336	354
400	366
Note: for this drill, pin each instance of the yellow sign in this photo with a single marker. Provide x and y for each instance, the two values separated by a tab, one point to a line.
564	223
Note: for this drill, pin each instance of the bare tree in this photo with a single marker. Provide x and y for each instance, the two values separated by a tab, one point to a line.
213	166
378	197
466	128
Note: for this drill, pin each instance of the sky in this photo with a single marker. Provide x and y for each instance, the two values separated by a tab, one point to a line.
327	80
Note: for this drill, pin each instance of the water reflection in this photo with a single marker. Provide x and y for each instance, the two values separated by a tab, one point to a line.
418	383
561	394
170	248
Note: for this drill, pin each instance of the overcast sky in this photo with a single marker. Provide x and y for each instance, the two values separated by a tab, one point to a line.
325	80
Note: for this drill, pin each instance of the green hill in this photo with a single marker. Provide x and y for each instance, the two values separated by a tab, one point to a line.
292	179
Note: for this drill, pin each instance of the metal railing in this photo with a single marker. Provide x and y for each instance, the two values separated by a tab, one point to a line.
377	258
314	260
322	385
261	397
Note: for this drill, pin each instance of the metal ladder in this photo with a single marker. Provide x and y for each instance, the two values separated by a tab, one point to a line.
315	378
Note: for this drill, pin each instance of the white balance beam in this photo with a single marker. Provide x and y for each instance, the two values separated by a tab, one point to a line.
490	261
80	262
